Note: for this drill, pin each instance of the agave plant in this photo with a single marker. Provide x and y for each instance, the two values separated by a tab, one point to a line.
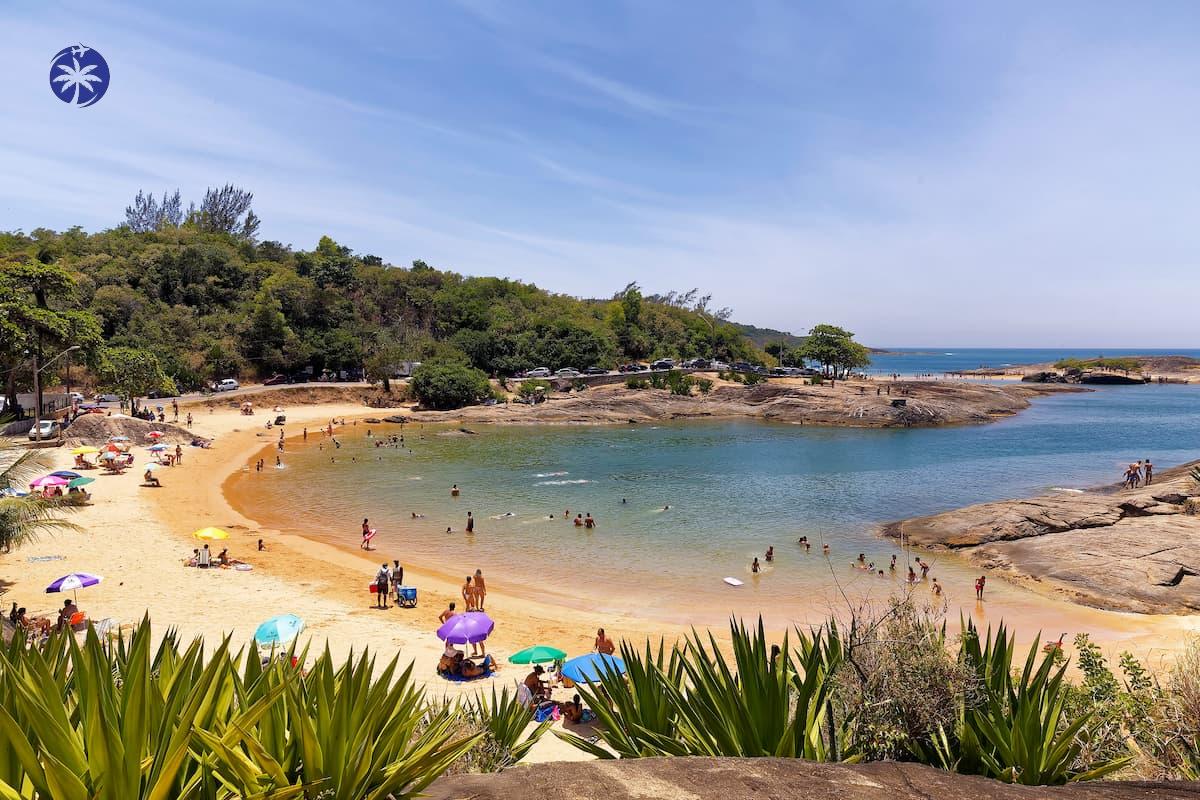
695	703
340	732
504	720
1018	731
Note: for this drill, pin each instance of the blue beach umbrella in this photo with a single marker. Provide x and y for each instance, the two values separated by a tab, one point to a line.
279	630
157	448
66	473
589	668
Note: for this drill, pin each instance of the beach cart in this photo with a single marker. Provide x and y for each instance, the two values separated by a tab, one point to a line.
407	597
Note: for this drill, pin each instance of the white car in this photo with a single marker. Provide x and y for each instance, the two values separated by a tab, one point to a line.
227	385
107	398
568	372
719	366
46	429
540	372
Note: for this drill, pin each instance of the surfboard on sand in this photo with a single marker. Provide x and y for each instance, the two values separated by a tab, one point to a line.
733	581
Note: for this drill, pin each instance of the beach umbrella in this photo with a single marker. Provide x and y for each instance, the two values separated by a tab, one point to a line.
538	654
155	434
66	473
47	481
156	448
468	628
589	668
211	533
118	438
279	630
80	481
73	582
151	467
110	456
85	451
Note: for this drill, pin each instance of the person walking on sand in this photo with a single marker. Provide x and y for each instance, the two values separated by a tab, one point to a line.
480	590
1148	470
178	454
305	435
382	581
468	594
397	578
447	614
470	523
189	419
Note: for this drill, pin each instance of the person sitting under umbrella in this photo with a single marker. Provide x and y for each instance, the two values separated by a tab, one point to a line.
533	682
148	479
69	610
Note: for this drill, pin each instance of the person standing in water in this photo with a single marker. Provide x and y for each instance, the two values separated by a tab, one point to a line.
470	523
367	535
454	490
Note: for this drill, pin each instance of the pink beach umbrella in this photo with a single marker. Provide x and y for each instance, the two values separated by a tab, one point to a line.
47	481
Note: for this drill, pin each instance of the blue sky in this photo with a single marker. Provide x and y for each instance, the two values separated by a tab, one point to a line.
947	173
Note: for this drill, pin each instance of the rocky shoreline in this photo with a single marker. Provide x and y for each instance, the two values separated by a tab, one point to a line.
1110	548
856	404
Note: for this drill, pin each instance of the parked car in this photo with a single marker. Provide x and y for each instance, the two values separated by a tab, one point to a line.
567	372
276	380
76	397
743	366
631	367
540	372
46	429
697	363
107	398
299	377
719	366
158	393
226	385
808	372
778	372
595	371
663	363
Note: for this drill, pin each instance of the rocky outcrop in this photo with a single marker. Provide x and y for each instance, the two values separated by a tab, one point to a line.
1116	549
927	404
771	779
96	429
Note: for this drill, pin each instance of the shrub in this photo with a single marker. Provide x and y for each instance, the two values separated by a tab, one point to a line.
753	378
658	380
816	380
579	384
448	384
634	382
679	384
529	388
704	385
500	725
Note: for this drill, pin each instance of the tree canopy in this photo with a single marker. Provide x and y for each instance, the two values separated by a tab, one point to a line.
210	302
835	350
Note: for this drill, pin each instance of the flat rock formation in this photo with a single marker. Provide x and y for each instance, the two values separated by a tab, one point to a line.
96	429
1111	548
770	779
910	404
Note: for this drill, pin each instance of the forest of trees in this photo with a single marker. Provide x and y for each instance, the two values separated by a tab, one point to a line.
192	298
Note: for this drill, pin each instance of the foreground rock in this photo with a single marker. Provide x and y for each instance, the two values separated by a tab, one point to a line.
1116	549
910	404
769	779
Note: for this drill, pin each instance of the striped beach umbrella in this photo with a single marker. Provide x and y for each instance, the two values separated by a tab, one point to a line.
73	582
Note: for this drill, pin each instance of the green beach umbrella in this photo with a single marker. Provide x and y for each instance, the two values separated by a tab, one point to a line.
81	481
538	654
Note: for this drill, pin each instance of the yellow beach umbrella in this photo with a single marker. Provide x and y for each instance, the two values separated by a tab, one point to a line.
211	533
84	451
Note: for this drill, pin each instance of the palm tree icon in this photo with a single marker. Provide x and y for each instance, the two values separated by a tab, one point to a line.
77	77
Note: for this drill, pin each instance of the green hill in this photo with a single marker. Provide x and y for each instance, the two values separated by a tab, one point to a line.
213	304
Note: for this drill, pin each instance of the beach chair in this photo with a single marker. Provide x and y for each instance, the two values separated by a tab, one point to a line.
407	597
525	696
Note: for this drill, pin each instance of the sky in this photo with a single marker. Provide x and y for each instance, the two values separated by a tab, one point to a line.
922	173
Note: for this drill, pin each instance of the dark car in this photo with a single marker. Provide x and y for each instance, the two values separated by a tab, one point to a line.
595	371
697	363
743	366
275	380
299	377
157	393
663	363
630	368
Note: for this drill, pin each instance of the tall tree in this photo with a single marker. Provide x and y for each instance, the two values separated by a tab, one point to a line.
133	373
835	350
227	210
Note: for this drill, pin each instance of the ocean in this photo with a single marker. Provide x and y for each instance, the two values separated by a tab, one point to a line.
939	360
681	506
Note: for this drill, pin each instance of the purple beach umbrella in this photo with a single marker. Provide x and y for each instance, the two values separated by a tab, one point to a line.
468	628
73	581
48	480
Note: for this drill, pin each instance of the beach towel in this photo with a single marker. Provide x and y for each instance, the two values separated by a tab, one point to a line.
460	679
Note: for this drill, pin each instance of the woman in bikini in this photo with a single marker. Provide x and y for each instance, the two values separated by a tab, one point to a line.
468	594
480	590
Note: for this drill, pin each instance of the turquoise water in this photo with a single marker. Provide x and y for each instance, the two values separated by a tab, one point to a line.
733	488
939	360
